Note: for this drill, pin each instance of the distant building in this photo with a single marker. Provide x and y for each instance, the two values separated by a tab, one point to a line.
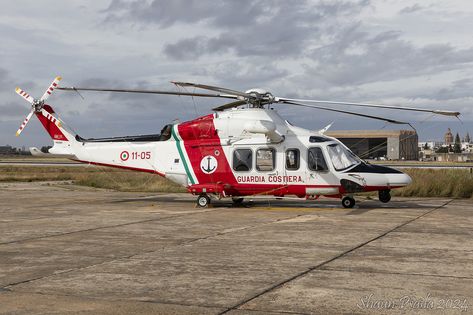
448	138
7	149
467	147
430	145
452	157
380	144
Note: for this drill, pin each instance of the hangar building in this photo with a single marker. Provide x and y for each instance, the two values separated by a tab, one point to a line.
375	144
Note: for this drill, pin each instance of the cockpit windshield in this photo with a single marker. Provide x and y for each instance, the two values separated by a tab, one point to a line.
341	157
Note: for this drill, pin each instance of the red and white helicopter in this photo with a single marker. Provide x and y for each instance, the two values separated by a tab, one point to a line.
244	148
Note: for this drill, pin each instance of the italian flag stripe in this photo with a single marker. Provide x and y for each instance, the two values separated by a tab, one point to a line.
181	150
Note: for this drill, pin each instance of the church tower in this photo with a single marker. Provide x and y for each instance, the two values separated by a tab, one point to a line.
448	138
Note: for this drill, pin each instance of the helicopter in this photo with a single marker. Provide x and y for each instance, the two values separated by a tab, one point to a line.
245	148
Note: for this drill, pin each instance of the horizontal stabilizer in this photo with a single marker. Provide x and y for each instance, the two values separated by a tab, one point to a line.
37	152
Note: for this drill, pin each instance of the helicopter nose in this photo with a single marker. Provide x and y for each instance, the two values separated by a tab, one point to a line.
398	180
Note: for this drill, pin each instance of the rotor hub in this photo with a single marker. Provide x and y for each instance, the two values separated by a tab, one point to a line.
37	105
260	97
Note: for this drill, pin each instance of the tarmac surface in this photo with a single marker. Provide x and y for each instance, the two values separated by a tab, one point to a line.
66	249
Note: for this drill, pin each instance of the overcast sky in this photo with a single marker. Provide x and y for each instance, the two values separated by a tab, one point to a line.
412	53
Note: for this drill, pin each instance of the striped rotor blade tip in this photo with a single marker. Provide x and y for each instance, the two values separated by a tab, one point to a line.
23	125
51	88
25	95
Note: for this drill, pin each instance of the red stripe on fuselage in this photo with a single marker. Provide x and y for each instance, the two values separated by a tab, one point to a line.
201	139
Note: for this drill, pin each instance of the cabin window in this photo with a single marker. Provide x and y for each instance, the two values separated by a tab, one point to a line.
316	160
265	159
165	133
242	160
292	159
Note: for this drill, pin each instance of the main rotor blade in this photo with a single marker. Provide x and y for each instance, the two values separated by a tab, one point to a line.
147	92
347	112
213	88
439	112
229	105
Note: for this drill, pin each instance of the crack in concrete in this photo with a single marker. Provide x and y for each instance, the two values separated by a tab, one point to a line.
185	242
105	227
319	266
397	273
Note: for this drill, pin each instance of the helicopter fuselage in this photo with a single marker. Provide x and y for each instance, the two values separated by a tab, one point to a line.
241	152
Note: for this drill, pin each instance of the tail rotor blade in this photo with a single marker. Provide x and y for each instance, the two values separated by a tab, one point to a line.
23	125
51	88
25	95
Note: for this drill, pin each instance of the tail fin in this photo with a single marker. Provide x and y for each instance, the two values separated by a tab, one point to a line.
53	125
64	140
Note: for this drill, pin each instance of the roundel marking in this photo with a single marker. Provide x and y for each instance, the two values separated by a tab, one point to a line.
208	164
124	155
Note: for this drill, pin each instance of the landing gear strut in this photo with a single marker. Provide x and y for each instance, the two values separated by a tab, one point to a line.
384	195
203	200
348	202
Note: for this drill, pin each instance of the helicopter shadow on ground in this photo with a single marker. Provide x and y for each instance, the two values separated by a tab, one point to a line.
361	207
184	201
372	204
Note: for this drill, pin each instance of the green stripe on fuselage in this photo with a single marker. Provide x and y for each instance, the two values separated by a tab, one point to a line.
181	154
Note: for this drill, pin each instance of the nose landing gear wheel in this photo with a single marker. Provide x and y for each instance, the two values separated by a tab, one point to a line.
203	200
384	195
348	202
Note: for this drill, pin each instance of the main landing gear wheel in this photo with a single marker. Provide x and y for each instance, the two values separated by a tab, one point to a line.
384	195
203	200
237	201
348	202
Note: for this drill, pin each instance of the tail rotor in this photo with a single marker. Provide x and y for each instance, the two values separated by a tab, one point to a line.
38	104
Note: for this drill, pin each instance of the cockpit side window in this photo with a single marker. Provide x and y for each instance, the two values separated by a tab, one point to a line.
341	157
316	161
